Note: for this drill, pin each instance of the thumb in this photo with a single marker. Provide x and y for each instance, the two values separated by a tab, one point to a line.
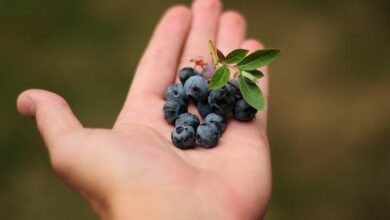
52	113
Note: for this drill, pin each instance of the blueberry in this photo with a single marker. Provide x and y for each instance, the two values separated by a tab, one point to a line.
176	91
208	71
222	101
218	120
197	88
235	82
187	119
186	73
243	111
233	88
183	137
204	108
208	134
173	108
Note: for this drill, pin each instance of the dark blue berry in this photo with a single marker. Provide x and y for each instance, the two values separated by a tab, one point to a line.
233	88
222	101
186	73
176	91
173	108
197	88
218	120
187	119
183	137
243	111
208	134
204	108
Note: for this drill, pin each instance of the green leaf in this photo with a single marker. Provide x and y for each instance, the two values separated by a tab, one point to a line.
213	52
251	93
221	57
252	75
249	76
256	73
236	56
258	59
220	77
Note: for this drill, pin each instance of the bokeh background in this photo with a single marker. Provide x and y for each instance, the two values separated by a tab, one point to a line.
329	112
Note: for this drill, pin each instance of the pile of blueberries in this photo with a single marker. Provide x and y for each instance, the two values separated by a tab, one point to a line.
213	106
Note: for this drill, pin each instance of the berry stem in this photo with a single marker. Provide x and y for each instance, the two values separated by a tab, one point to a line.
213	52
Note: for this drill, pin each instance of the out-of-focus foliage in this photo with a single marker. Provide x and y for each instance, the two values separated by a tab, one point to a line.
329	109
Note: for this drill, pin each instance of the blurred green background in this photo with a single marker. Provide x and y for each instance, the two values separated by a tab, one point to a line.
330	110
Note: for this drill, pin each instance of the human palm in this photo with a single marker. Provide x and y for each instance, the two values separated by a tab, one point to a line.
133	170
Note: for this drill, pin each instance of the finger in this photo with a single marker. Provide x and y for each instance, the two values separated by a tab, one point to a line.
157	68
204	28
231	32
253	45
52	113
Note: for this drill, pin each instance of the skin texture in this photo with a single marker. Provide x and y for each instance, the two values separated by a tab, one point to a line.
133	171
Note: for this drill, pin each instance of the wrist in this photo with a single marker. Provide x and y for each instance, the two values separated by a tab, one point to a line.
189	205
191	201
162	208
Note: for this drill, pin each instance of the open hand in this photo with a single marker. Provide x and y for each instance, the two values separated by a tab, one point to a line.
133	171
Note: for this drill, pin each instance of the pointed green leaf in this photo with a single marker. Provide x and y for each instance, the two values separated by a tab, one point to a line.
256	73
221	57
258	59
220	77
249	76
251	93
236	56
213	52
